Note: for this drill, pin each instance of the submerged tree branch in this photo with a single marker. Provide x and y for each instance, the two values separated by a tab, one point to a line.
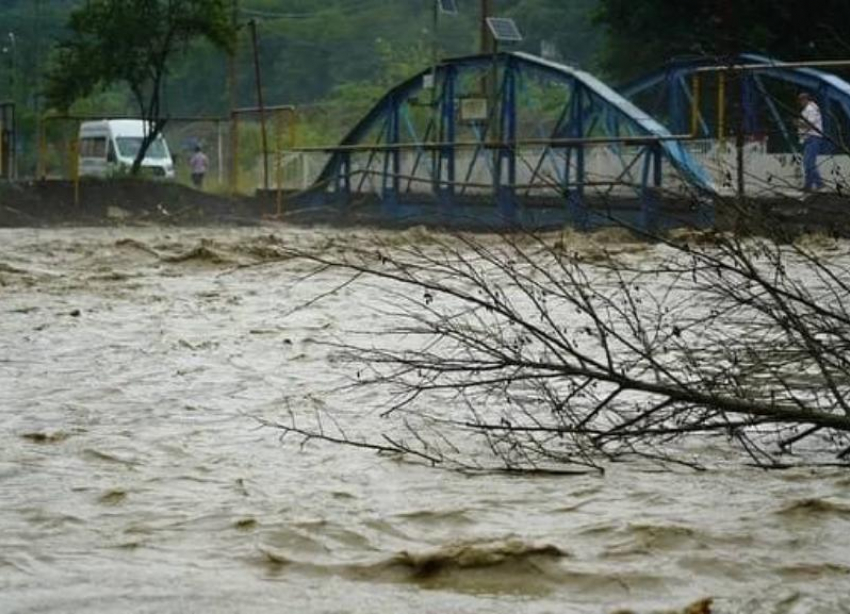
538	353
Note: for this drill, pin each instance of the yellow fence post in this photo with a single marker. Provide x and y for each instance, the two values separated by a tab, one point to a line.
279	127
293	134
75	168
234	153
721	108
41	162
695	105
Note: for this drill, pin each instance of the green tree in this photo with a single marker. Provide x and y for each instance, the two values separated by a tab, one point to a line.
565	26
642	35
133	42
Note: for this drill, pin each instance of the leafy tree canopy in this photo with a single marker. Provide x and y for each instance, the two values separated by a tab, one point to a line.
644	34
132	42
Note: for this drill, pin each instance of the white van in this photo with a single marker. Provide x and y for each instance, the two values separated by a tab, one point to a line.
111	145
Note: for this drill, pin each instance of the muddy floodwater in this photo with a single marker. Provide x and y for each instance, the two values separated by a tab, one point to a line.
135	477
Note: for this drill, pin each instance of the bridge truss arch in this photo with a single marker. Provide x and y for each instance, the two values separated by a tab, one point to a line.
749	96
742	115
512	139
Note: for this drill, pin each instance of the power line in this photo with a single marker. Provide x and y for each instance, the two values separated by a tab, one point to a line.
346	9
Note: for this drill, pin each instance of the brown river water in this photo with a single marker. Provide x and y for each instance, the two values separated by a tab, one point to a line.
135	478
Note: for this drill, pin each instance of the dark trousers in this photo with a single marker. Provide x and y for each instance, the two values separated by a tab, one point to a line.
811	149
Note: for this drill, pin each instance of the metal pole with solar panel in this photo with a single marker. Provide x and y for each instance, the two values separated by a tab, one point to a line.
502	30
447	7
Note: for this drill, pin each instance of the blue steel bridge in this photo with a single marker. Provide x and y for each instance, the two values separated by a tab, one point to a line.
512	140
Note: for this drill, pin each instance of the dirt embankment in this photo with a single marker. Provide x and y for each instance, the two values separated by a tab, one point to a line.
827	212
137	202
129	201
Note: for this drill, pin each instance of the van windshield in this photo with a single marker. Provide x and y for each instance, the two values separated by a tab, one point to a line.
128	147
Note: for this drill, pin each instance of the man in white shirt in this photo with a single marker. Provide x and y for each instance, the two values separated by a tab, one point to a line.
810	130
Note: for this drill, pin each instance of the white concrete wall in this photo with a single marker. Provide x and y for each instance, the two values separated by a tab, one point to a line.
764	174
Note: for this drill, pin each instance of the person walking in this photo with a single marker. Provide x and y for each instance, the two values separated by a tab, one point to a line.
198	164
810	131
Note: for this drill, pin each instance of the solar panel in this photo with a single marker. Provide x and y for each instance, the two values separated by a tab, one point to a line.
504	30
448	6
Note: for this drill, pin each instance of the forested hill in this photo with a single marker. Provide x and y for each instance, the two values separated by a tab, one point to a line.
309	50
312	51
333	58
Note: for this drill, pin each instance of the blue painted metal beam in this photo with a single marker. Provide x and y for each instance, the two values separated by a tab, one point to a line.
575	194
446	155
628	114
504	179
391	176
826	87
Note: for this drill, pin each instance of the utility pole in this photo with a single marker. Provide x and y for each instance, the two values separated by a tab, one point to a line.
435	41
435	53
260	105
233	101
37	33
11	161
732	36
486	38
488	47
36	87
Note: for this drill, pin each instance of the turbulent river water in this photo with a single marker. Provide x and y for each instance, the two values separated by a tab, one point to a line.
135	477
